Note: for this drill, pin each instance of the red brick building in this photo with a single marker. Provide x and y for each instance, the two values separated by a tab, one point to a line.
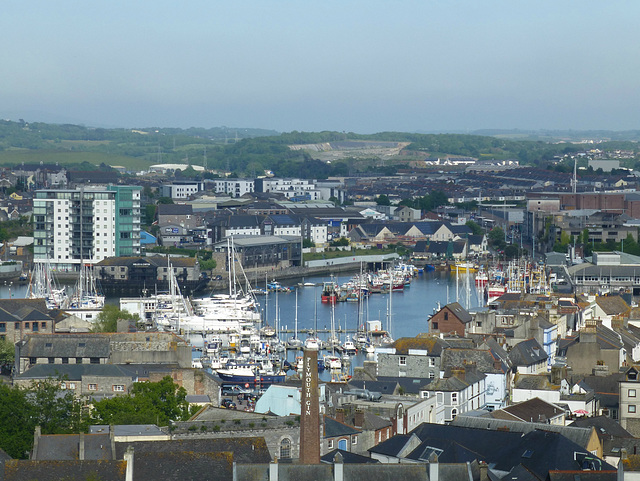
452	318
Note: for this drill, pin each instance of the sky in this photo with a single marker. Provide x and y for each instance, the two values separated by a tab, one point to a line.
349	65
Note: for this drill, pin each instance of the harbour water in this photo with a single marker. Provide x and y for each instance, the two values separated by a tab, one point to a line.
405	315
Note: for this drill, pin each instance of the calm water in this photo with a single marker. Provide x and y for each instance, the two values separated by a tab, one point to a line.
410	309
405	316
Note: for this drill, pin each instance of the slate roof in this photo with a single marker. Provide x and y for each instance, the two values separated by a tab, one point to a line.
175	209
532	410
13	305
245	449
454	384
383	387
460	312
333	428
581	475
183	465
28	313
483	360
578	434
541	452
475	240
604	425
65	447
73	372
64	470
66	345
347	457
526	353
242	220
410	385
612	305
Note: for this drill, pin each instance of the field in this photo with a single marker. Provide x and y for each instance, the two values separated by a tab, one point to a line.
16	157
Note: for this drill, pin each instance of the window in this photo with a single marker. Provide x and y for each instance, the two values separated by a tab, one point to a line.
403	360
454	398
432	375
446	316
43	325
16	326
65	360
52	360
78	360
93	387
3	327
632	393
454	413
434	326
354	439
117	388
285	448
432	362
26	325
330	444
35	327
94	360
632	408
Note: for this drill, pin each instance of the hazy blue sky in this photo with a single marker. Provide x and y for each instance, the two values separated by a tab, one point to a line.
362	66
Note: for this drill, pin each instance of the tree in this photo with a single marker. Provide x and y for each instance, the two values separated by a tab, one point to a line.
475	228
496	234
165	200
308	243
7	355
107	320
149	403
383	200
16	422
342	242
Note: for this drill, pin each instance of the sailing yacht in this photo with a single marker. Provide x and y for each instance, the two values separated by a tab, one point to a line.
43	285
294	341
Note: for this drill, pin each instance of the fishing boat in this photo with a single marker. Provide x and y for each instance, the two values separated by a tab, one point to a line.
464	267
481	279
349	348
329	292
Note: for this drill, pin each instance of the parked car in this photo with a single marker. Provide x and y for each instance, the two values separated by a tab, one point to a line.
228	404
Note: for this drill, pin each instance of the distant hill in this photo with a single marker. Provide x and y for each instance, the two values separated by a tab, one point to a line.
249	152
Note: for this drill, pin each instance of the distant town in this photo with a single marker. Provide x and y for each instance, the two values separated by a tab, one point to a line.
137	348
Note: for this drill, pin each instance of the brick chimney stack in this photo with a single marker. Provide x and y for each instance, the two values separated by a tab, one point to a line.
310	410
359	418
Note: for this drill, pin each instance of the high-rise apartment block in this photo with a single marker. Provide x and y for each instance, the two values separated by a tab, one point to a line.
85	225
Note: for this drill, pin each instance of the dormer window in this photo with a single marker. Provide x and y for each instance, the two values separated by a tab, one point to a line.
632	375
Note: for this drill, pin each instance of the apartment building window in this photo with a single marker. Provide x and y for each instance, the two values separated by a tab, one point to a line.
94	360
93	387
432	362
632	393
403	360
118	388
65	360
78	360
632	408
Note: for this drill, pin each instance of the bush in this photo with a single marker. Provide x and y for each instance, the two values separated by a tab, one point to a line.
203	428
251	425
216	429
193	428
237	421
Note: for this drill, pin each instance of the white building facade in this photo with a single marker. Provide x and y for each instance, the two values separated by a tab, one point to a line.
85	226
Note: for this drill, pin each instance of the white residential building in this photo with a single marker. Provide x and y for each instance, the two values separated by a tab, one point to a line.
234	187
72	227
182	189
